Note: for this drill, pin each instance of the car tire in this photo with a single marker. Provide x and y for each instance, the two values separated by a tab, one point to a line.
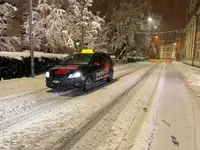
88	84
110	77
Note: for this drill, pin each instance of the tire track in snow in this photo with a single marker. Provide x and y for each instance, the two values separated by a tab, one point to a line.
72	138
49	103
119	120
28	100
138	120
146	132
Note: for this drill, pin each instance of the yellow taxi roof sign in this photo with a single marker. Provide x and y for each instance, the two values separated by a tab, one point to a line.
87	51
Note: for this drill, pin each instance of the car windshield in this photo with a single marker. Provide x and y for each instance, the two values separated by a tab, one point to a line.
77	59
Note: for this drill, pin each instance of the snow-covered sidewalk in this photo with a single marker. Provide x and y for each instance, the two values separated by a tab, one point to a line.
21	86
191	75
175	121
192	108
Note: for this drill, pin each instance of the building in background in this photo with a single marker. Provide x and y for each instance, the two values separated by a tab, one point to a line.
192	39
196	56
180	43
168	50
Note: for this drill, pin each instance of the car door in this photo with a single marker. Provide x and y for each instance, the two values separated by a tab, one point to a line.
103	66
108	66
96	68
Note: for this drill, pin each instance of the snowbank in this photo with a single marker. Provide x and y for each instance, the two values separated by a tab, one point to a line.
191	75
19	55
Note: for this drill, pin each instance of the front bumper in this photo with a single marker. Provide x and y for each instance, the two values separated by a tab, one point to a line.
65	83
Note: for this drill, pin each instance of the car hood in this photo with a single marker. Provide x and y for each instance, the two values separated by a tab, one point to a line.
64	70
70	67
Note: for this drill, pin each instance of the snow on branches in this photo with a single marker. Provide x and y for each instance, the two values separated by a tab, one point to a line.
55	28
50	28
87	23
6	14
128	19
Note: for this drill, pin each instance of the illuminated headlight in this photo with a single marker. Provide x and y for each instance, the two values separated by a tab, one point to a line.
47	74
75	75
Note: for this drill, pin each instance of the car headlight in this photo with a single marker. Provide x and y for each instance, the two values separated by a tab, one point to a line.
47	74
75	75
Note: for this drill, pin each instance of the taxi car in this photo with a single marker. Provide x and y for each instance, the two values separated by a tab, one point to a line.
81	70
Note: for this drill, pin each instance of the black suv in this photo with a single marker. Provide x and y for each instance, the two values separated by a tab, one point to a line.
81	70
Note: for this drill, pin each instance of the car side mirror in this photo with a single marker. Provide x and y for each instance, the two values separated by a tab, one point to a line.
96	63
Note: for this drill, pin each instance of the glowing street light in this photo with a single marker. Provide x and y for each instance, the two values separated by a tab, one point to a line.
156	37
150	19
77	43
155	27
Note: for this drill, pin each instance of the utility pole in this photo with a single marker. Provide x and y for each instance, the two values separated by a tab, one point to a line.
82	27
31	38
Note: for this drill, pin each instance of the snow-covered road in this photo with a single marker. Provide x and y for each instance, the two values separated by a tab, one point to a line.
18	103
141	110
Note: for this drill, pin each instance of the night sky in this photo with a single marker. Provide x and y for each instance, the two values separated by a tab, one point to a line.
173	11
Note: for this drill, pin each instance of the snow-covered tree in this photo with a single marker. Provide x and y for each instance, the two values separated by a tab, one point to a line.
88	24
51	28
128	19
102	41
6	14
55	28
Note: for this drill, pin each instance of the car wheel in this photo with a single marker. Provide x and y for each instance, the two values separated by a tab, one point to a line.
110	78
88	84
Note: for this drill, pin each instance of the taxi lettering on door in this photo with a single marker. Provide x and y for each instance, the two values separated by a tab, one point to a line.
103	74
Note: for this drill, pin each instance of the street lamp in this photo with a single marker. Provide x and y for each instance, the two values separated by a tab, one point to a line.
82	27
156	37
31	38
155	27
77	43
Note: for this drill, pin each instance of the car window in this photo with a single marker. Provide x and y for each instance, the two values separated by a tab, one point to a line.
109	59
103	59
95	59
77	59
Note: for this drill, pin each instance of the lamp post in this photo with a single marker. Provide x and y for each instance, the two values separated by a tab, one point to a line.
82	27
153	26
31	38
